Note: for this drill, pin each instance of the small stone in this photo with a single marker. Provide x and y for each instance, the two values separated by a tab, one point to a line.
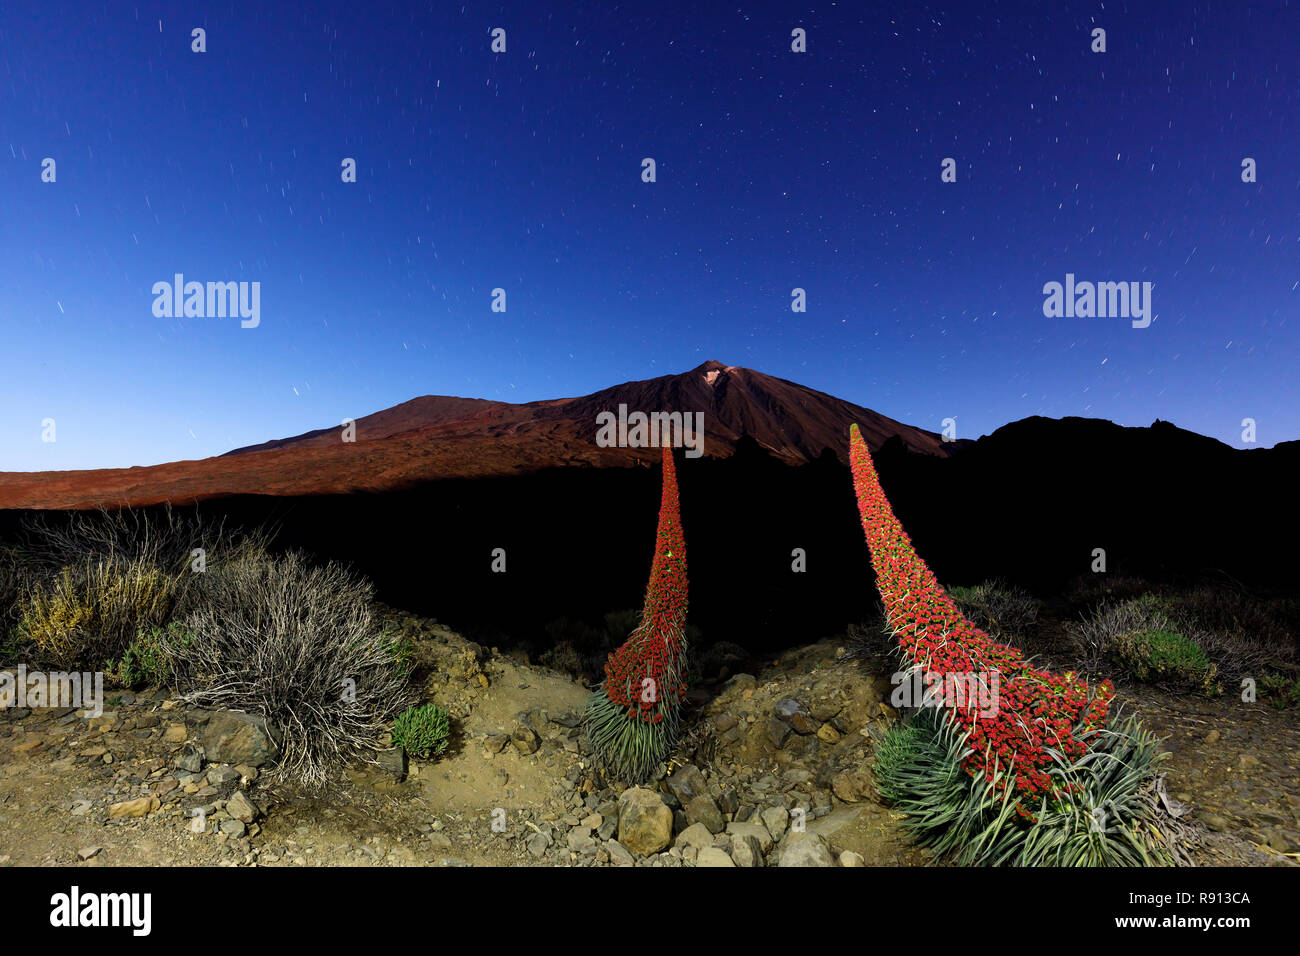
849	858
525	739
88	852
133	808
1216	822
175	734
190	759
851	785
241	808
810	850
538	844
778	731
712	856
746	851
233	828
828	733
495	743
686	783
757	830
703	810
786	707
775	819
580	839
696	835
235	738
729	801
220	776
803	724
618	854
1213	737
394	762
104	721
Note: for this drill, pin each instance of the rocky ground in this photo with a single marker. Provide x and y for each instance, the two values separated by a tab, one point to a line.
773	772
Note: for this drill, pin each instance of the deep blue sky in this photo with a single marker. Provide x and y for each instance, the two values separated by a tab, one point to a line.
522	170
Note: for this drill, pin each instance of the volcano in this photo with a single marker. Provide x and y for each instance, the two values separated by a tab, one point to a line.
437	437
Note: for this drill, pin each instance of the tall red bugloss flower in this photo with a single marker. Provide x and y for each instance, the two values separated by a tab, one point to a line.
1037	711
632	717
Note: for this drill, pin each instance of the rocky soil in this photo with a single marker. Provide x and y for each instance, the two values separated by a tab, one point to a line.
773	772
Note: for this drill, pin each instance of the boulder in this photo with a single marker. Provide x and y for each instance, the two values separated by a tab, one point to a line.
235	738
645	824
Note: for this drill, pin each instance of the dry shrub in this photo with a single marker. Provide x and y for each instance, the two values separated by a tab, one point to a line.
91	611
300	647
1003	610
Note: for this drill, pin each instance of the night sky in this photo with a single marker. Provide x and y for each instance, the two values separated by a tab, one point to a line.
523	170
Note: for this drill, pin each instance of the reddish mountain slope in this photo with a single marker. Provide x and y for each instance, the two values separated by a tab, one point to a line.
443	437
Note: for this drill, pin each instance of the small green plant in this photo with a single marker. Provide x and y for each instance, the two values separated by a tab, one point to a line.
1167	657
423	732
403	653
1280	691
146	660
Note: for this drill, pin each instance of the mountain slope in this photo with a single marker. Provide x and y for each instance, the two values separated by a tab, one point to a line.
435	437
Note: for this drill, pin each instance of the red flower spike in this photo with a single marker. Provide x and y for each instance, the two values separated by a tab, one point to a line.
1036	710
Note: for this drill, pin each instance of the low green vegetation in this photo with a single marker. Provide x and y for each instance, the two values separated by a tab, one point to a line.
146	660
423	732
1166	657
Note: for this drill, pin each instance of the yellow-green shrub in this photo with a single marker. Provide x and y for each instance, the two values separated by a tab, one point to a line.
90	613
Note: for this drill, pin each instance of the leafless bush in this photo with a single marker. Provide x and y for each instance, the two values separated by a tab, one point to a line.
1239	638
1004	610
871	642
1093	638
13	583
161	538
298	646
12	580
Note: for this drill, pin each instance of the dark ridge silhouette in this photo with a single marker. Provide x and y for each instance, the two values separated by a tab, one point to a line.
1028	503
